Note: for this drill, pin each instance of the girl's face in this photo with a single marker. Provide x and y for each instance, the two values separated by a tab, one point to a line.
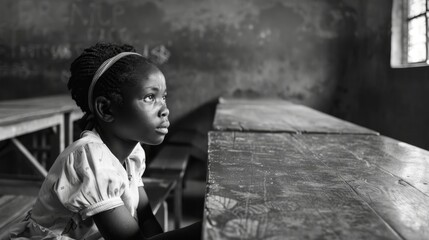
143	115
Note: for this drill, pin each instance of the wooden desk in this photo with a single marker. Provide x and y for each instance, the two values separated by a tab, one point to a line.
273	115
24	116
15	123
54	104
280	185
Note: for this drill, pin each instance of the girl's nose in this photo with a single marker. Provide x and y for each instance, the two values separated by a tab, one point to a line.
163	112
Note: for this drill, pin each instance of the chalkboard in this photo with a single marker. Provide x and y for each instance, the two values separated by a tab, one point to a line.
277	49
39	39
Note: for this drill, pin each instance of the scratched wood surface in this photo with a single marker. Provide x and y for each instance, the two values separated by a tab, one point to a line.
31	125
288	186
13	208
62	102
12	111
274	115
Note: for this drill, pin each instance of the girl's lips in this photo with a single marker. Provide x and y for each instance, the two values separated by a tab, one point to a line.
162	130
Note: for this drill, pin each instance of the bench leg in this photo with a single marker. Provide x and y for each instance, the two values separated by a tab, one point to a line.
178	192
35	145
58	140
43	159
165	207
40	169
162	215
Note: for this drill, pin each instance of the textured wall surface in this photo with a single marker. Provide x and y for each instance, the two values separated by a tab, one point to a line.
332	55
289	49
371	93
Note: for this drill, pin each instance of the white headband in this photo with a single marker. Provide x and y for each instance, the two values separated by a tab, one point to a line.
103	68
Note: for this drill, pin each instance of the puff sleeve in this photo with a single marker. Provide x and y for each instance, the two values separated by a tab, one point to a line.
91	181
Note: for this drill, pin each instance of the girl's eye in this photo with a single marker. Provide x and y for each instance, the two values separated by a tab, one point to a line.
149	98
164	98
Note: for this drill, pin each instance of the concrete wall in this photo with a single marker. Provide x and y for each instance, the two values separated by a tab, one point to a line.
289	49
371	93
332	55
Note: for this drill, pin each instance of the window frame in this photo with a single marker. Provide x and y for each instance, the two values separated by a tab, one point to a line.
399	37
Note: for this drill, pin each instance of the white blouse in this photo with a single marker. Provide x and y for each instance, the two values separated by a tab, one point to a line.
85	179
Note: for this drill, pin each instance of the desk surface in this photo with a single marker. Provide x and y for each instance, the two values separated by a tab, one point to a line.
26	116
12	111
272	185
273	115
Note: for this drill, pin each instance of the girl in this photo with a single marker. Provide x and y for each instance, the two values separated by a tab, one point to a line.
94	189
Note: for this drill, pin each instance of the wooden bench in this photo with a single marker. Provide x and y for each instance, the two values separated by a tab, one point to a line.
25	186
157	191
13	208
170	163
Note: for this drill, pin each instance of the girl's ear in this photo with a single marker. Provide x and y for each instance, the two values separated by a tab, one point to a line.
103	109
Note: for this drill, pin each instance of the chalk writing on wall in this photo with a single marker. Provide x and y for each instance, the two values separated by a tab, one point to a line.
99	22
26	69
158	53
43	50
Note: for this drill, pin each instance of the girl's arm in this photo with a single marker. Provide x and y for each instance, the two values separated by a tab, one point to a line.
117	223
147	221
151	228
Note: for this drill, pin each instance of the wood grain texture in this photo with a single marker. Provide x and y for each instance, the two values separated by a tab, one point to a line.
22	116
275	115
25	126
389	175
13	208
287	186
20	186
13	111
62	102
259	101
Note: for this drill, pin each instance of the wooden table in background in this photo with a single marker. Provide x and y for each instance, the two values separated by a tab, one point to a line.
15	122
274	115
315	186
29	108
26	116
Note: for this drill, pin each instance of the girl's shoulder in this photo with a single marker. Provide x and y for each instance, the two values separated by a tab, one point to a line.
88	148
91	150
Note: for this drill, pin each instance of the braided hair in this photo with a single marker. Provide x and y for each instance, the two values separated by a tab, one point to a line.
125	71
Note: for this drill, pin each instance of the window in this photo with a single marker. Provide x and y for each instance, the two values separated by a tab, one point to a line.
409	33
416	37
